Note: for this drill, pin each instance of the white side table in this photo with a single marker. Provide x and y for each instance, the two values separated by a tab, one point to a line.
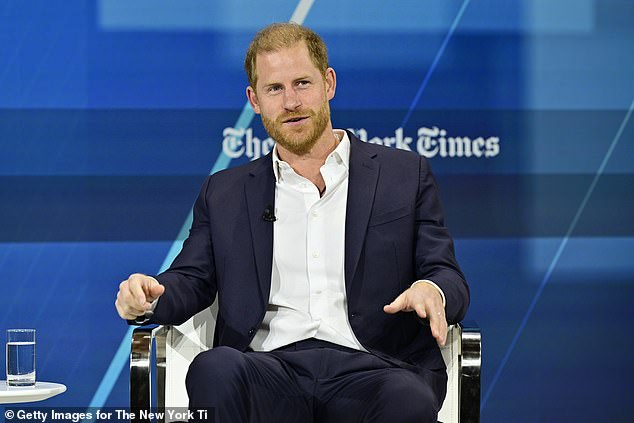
39	392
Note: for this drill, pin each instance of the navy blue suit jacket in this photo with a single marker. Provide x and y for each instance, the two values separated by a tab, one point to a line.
394	236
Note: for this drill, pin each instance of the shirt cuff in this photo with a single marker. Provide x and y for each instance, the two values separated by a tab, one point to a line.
442	294
141	320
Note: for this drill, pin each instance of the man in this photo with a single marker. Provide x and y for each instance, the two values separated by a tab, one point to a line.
334	273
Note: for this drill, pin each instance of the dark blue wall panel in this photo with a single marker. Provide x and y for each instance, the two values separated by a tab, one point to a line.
112	113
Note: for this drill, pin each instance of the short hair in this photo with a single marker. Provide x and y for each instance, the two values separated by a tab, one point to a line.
278	36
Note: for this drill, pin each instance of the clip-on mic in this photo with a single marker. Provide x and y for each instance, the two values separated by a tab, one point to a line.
268	215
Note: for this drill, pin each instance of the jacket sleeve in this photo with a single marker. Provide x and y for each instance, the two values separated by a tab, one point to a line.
190	282
434	255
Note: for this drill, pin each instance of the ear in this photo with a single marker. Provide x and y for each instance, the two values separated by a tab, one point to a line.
253	99
331	83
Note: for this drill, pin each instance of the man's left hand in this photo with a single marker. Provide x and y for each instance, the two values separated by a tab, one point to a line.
426	301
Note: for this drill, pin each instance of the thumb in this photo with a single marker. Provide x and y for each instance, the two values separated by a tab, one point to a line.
395	306
155	291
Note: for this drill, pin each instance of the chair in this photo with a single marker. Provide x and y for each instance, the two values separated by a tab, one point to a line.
176	347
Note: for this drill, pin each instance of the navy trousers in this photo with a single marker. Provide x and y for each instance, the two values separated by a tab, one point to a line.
311	381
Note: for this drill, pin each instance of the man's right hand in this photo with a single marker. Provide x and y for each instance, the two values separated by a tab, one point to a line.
136	294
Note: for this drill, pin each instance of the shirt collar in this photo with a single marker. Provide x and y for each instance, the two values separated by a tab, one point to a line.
341	154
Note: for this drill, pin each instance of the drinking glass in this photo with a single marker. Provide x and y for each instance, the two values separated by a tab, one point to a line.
21	357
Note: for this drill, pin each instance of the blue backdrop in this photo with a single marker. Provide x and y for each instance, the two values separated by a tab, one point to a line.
112	113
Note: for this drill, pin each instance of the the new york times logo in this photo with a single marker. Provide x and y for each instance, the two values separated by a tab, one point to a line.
430	142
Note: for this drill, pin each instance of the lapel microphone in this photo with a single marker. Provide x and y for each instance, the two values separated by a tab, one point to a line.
268	215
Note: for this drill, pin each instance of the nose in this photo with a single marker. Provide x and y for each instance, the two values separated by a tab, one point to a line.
291	99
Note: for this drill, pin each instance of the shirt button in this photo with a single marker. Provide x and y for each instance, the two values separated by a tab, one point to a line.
314	213
316	254
319	291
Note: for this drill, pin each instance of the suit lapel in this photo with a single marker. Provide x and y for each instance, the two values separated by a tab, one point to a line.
362	181
260	193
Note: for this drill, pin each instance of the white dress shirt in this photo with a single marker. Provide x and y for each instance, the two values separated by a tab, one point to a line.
308	292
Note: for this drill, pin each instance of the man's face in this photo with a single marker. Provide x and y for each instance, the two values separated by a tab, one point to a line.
292	97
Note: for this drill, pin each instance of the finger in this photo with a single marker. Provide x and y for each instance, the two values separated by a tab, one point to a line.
122	313
420	310
438	324
137	290
128	302
130	310
397	305
442	334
